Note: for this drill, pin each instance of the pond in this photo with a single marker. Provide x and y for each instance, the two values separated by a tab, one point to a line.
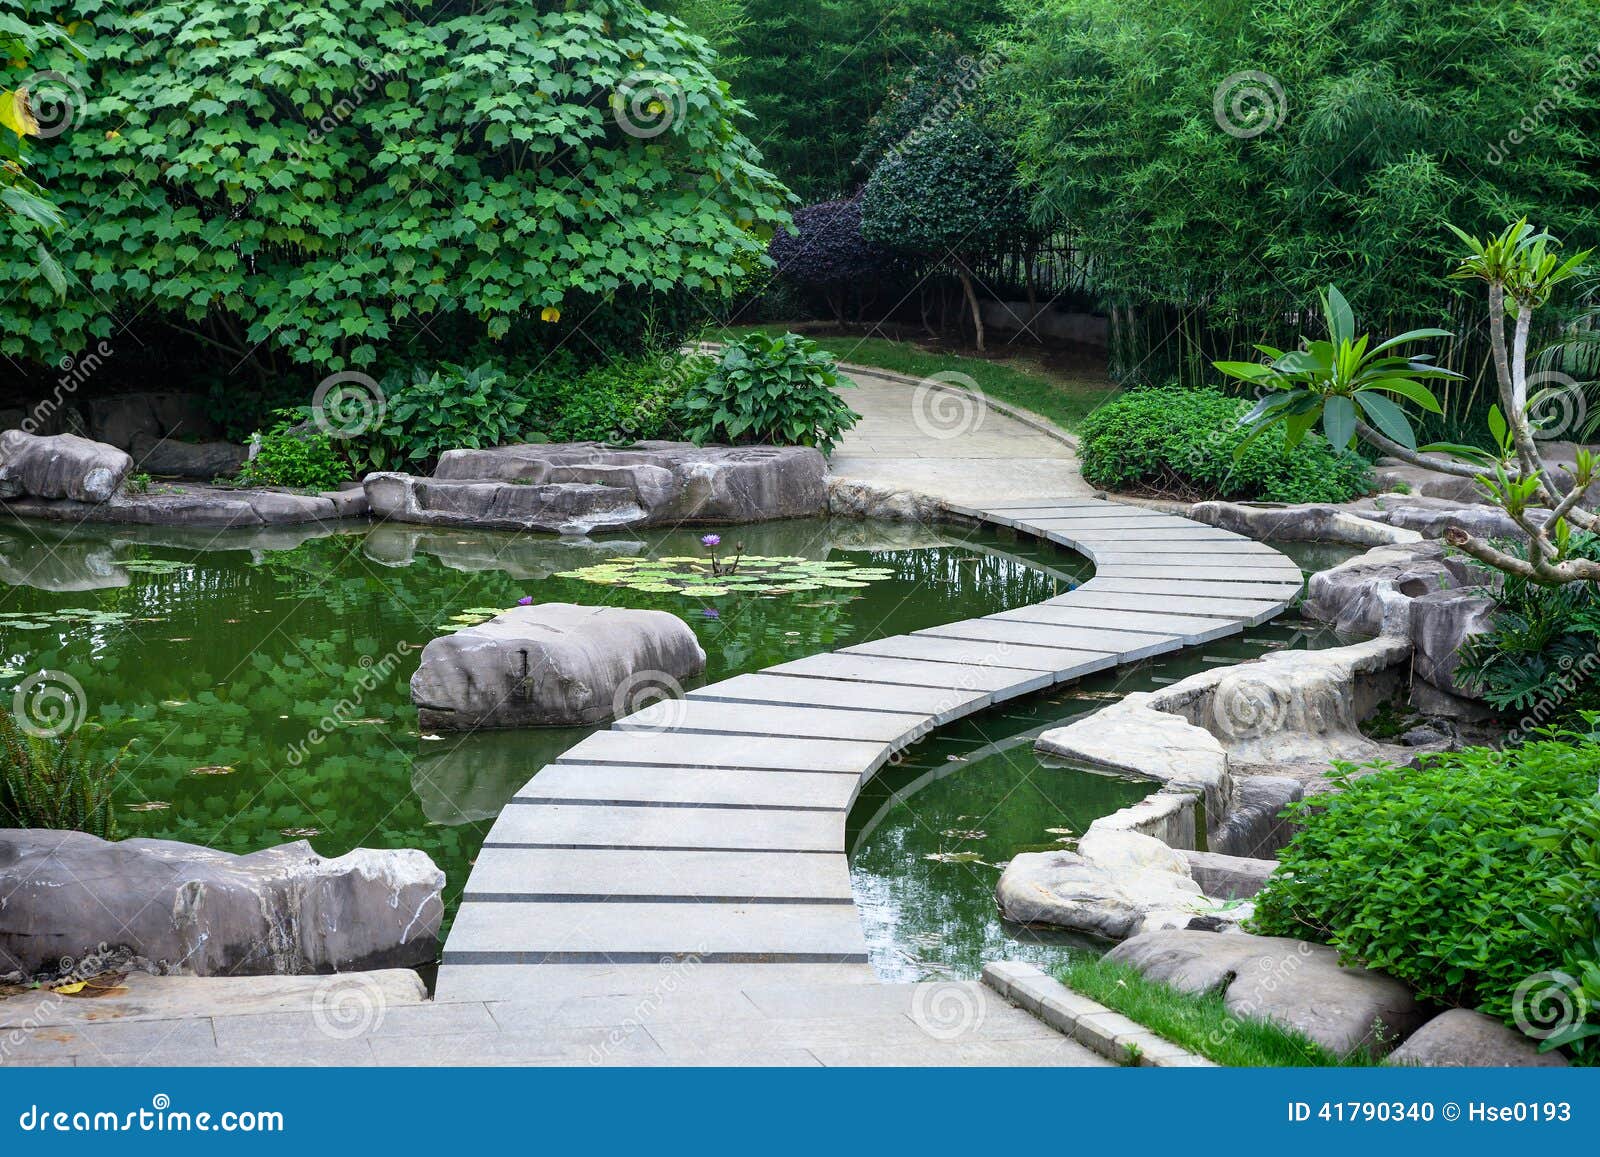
930	835
260	679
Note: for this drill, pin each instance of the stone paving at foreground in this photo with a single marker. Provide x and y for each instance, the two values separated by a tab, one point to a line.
675	889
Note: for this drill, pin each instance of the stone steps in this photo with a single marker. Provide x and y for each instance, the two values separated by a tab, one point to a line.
707	833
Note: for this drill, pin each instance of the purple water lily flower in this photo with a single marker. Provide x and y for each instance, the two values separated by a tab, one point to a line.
525	601
711	540
711	612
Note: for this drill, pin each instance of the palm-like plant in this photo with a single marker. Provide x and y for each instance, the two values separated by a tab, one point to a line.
50	782
1340	383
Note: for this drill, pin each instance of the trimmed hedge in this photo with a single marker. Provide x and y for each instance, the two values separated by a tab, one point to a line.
1180	444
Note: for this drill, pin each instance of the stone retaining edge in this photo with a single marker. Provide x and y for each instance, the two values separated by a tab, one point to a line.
1086	1021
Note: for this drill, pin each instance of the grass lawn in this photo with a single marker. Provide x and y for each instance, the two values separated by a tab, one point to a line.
1064	397
1199	1023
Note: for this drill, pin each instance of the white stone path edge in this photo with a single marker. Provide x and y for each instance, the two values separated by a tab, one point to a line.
711	829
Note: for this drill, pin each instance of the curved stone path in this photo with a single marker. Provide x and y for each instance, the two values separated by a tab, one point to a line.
711	830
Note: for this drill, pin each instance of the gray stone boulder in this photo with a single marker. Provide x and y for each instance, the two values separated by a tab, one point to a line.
1117	884
858	498
1462	1038
554	507
1372	593
191	910
59	466
1441	624
669	482
1255	826
1229	877
1300	985
176	459
552	665
187	505
1300	523
119	419
1417	481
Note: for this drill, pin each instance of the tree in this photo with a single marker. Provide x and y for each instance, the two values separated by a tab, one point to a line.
1222	161
321	184
948	192
1337	382
826	251
29	210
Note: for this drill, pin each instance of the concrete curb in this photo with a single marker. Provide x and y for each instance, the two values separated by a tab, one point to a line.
1086	1021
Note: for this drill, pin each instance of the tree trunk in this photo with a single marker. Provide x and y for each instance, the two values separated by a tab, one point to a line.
972	304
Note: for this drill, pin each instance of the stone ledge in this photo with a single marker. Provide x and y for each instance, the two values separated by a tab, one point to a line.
1086	1021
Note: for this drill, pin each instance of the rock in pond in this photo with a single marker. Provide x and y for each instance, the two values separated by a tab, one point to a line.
1292	982
1117	884
175	458
188	504
193	910
579	485
1462	1038
59	466
553	665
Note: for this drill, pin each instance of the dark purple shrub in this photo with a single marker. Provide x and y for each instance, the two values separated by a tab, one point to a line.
827	249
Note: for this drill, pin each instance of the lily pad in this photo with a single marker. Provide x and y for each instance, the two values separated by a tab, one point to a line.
705	577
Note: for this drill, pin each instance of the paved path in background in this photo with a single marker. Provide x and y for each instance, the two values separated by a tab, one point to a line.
951	445
675	889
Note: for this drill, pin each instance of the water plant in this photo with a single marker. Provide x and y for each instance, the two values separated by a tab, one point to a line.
49	781
707	577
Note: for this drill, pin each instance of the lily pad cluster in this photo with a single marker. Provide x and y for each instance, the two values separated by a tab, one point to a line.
40	620
706	578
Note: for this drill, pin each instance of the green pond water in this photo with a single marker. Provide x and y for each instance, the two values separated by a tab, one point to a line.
261	678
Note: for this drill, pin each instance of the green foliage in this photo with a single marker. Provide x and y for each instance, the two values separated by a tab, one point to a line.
621	401
316	185
1340	382
1189	444
49	782
1381	121
448	408
735	573
771	391
294	454
1441	875
946	189
815	71
1200	1022
1540	655
30	213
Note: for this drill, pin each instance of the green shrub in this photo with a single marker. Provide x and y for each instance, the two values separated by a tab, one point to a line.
1181	443
307	184
772	391
293	454
448	408
1440	875
1539	655
626	400
49	782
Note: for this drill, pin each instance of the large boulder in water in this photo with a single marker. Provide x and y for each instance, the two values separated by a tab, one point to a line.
552	665
189	909
59	466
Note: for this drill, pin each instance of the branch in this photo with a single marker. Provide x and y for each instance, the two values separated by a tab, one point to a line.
1395	450
1548	573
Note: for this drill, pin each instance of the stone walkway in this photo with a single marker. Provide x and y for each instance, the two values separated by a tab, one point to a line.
675	889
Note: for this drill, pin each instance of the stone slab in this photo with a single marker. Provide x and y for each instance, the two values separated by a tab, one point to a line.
479	981
1062	661
1241	573
1191	628
582	826
1240	611
505	874
1001	683
758	752
1126	645
735	933
940	705
677	786
1181	588
687	716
